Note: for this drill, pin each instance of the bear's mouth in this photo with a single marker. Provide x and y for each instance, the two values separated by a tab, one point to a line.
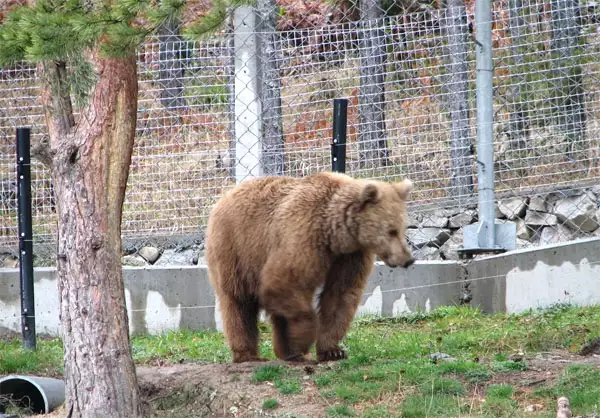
406	264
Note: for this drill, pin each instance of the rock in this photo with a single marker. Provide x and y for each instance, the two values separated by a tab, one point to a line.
133	260
513	207
413	220
555	234
563	408
578	212
461	219
427	236
521	243
432	220
200	258
9	263
129	249
441	356
497	213
176	258
427	253
516	357
596	190
150	254
538	204
534	407
590	347
535	218
449	251
523	231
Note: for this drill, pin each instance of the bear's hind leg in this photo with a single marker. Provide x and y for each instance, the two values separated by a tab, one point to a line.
339	302
241	328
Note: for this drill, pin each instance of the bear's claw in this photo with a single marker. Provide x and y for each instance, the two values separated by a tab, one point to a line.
332	355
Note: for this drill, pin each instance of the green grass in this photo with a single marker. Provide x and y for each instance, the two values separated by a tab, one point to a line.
267	373
340	411
389	372
270	403
284	378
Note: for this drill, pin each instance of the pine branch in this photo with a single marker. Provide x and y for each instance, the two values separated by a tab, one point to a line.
210	23
63	30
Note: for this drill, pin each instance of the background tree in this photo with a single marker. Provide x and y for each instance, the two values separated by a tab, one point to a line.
371	109
269	60
87	68
173	53
458	97
567	75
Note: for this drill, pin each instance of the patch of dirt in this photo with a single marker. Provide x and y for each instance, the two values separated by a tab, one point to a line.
543	369
226	390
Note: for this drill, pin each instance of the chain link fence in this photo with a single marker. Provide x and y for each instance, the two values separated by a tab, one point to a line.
257	99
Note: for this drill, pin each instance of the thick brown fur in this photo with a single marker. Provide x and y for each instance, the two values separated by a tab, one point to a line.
272	242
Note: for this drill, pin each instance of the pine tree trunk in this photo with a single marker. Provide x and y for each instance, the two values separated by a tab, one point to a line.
172	57
461	146
374	151
515	157
567	76
270	88
90	161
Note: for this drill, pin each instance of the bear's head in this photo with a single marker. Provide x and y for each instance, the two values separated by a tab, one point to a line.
382	221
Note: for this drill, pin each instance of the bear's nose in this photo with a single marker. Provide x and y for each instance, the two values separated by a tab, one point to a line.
409	263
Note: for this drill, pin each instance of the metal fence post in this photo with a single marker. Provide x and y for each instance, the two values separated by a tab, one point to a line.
486	236
25	237
338	144
248	130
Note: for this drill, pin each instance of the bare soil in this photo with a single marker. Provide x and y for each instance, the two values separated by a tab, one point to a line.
226	390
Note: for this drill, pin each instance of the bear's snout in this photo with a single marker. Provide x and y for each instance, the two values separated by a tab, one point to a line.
406	264
397	263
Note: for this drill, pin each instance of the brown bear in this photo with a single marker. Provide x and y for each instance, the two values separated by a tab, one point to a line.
272	242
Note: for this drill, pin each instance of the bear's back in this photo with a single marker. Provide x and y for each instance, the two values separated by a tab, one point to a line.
249	221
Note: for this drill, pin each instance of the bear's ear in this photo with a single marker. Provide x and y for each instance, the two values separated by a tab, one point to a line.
404	188
369	194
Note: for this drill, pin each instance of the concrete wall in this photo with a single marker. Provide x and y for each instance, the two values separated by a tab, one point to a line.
160	299
538	277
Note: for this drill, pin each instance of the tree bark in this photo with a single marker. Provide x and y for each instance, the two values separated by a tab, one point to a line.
173	53
269	89
89	160
374	150
519	120
568	78
519	125
461	151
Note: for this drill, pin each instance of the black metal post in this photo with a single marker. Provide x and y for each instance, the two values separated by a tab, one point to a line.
338	145
25	237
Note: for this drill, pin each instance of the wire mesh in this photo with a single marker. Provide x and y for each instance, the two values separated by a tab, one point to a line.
260	102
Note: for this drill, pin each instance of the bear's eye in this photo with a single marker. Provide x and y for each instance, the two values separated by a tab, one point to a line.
393	233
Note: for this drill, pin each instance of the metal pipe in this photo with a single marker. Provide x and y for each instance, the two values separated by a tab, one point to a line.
485	147
39	394
338	145
25	237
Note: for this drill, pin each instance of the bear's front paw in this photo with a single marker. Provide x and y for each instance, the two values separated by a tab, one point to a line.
332	355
